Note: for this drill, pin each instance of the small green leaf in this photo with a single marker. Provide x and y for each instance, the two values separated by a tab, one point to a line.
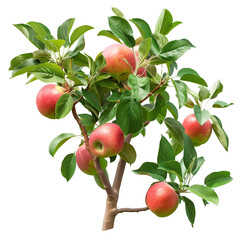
68	166
189	152
87	120
199	162
158	106
151	169
204	192
172	167
217	179
181	90
190	209
19	59
108	114
41	55
144	49
108	33
92	99
220	133
40	29
164	22
221	104
64	30
78	32
203	93
58	141
122	29
165	151
118	12
128	153
216	88
98	179
63	106
172	109
140	86
129	114
201	116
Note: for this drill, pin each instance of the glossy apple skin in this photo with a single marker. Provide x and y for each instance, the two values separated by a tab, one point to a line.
198	133
162	199
142	72
114	55
106	140
47	98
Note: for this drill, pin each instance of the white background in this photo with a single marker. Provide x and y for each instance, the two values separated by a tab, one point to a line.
36	202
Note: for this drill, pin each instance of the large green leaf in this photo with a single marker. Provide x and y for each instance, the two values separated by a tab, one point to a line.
189	153
68	166
175	49
190	210
201	115
164	22
19	59
165	151
129	114
216	88
63	106
151	169
122	29
78	32
108	33
204	192
159	105
181	90
128	153
221	104
217	179
92	99
64	30
58	141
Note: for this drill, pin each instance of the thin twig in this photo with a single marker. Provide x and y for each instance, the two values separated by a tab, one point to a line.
121	210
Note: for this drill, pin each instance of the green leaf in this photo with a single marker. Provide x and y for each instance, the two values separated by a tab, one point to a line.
177	130
216	88
199	162
161	40
220	133
190	75
144	49
49	73
175	49
63	106
189	153
87	120
99	63
19	59
108	33
172	109
172	167
118	12
68	166
190	209
128	153
217	179
92	99
64	30
140	86
42	55
165	151
122	29
201	116
54	44
181	90
98	179
39	28
158	107
108	114
30	34
58	141
78	32
151	169
129	114
164	22
221	104
115	96
203	93
204	192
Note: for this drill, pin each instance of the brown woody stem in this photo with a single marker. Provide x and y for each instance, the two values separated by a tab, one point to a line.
121	210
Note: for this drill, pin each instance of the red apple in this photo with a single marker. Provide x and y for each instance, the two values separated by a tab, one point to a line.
162	199
85	161
142	72
115	63
47	98
106	140
197	132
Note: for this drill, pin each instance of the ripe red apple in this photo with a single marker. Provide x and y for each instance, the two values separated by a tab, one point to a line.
115	63
106	140
142	72
85	161
162	199
197	132
47	98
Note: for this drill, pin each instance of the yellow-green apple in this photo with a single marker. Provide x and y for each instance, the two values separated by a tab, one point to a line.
142	72
47	98
197	132
162	199
106	140
85	161
116	56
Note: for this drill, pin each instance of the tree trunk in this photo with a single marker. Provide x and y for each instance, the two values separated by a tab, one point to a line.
110	213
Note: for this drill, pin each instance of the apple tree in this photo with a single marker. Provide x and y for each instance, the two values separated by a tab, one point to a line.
123	90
